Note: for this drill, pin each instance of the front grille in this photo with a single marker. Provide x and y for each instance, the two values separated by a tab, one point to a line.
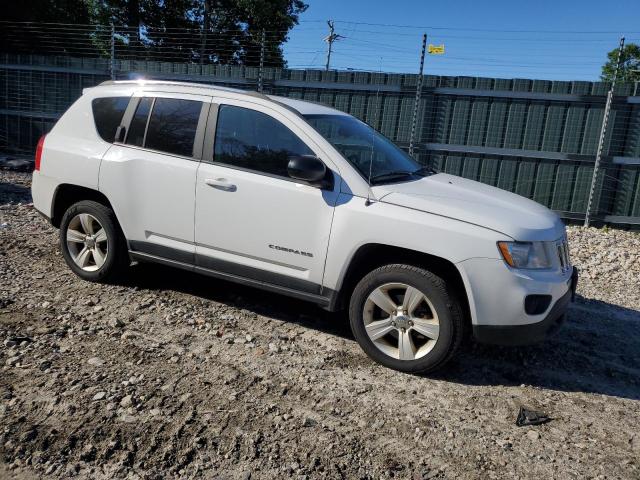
563	255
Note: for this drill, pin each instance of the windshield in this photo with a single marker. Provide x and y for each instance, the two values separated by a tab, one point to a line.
375	156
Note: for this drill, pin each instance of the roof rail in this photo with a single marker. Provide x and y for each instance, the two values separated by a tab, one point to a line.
249	93
143	81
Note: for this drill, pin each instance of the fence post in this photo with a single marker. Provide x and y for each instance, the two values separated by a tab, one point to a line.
260	71
112	63
414	118
601	140
205	32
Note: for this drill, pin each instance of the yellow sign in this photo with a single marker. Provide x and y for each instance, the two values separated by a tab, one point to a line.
436	49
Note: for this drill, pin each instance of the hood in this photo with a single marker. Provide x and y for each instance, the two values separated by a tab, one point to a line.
476	203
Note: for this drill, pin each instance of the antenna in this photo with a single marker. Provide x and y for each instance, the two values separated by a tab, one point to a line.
373	139
332	37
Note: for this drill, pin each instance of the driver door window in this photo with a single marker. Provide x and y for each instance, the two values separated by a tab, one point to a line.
252	140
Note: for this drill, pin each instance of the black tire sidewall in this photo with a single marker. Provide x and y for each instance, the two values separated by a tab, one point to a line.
432	288
105	216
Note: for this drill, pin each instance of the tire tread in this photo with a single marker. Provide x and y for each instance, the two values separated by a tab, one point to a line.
451	301
121	256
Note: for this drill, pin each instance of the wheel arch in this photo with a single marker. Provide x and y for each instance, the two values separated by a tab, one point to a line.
67	194
373	255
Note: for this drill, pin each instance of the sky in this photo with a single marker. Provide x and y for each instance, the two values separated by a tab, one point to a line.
542	39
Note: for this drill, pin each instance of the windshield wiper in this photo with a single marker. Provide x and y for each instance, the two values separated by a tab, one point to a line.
390	175
424	171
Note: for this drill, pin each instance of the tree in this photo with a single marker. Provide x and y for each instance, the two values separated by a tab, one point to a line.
206	31
276	17
50	11
203	31
28	26
629	65
231	30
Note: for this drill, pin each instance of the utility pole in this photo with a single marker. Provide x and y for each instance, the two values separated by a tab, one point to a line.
603	132
332	37
414	118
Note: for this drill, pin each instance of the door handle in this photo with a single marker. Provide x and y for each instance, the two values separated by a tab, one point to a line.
221	184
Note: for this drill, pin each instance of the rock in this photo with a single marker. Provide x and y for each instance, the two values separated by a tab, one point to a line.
96	361
505	444
99	396
274	348
126	401
128	335
12	361
88	453
533	435
116	322
309	422
44	365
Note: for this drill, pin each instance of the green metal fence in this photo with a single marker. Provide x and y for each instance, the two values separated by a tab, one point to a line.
534	137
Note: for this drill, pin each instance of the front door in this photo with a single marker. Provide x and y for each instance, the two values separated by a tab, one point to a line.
252	220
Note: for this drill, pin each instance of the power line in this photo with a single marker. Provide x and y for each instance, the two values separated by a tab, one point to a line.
423	27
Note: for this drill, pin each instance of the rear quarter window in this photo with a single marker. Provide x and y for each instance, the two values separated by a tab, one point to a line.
107	115
172	126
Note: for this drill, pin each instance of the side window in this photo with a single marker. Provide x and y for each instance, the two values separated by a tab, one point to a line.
249	139
172	126
107	114
138	125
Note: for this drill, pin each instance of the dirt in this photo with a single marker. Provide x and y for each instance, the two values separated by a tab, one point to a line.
173	375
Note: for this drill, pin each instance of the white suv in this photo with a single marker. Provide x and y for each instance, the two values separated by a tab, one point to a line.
301	200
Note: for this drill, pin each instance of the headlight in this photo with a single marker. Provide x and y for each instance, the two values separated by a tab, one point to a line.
524	254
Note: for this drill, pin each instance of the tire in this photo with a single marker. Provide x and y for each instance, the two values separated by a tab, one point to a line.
92	243
420	338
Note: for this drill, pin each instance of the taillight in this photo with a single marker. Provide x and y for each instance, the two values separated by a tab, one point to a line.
39	152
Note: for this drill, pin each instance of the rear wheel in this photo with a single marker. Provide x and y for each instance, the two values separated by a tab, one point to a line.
405	318
91	242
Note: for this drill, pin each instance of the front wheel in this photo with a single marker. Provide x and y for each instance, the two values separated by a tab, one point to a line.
405	318
91	242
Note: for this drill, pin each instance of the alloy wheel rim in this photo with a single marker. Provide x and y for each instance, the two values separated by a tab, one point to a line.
87	242
401	321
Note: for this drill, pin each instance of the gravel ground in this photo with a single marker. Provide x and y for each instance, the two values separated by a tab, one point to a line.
174	375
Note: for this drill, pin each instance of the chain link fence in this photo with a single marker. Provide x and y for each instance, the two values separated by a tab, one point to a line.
537	138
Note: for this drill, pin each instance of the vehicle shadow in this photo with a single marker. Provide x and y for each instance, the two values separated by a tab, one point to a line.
596	351
160	277
14	193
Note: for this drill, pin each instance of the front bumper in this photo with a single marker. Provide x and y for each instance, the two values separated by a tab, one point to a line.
527	334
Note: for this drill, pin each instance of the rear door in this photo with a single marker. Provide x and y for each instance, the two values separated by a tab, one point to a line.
150	177
252	219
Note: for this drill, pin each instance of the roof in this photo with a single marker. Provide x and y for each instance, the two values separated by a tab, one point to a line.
299	106
306	108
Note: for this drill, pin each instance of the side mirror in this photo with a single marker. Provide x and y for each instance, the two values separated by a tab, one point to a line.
121	132
309	169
